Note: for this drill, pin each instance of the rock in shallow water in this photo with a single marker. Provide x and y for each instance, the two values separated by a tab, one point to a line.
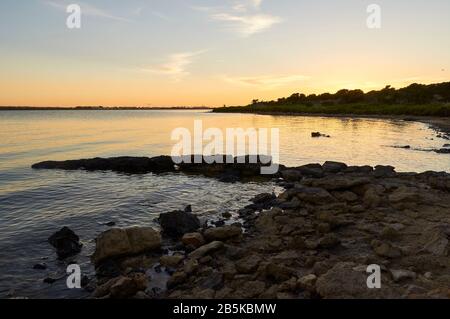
66	242
177	223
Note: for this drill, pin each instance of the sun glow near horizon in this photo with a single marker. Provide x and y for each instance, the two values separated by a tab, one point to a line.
214	53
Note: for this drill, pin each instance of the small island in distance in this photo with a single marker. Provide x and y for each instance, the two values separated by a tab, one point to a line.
415	100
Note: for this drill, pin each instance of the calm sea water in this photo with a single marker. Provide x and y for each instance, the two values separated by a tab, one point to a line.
34	204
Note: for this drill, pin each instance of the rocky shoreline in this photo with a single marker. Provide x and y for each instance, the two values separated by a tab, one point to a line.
314	240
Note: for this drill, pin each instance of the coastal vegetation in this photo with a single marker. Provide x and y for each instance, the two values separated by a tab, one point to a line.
415	100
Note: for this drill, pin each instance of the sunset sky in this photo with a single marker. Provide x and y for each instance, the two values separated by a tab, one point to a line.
210	52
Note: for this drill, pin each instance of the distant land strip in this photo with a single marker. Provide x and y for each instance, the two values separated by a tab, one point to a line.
94	108
414	100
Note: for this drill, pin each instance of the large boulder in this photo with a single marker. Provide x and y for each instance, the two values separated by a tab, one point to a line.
178	222
314	195
121	242
66	242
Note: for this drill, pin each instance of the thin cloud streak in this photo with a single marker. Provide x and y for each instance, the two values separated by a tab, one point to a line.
176	65
86	9
267	81
244	17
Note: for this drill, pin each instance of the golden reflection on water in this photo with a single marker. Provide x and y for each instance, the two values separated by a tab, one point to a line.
28	137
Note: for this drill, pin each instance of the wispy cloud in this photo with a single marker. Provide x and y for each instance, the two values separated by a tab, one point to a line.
267	81
176	65
243	17
87	9
247	25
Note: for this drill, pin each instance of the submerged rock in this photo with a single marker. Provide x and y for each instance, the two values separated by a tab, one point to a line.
66	242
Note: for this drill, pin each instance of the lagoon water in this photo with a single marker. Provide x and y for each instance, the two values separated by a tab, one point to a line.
35	203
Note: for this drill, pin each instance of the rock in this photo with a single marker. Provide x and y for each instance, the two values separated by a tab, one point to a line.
120	242
291	175
371	198
110	224
227	215
345	196
344	282
399	275
222	233
42	266
404	194
130	165
251	289
191	266
171	261
125	287
66	242
194	240
384	171
311	170
340	182
213	281
443	151
49	280
314	195
206	249
334	167
248	264
318	134
188	209
176	279
329	241
263	198
278	272
177	223
386	250
436	240
390	233
307	282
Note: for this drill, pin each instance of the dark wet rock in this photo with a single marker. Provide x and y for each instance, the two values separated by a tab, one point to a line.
311	170
188	209
334	167
177	223
110	224
219	223
213	281
318	134
41	266
123	164
443	151
49	280
121	242
66	242
291	175
263	199
227	215
384	171
108	269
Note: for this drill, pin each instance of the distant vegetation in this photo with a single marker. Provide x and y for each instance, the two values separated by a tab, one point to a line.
416	99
